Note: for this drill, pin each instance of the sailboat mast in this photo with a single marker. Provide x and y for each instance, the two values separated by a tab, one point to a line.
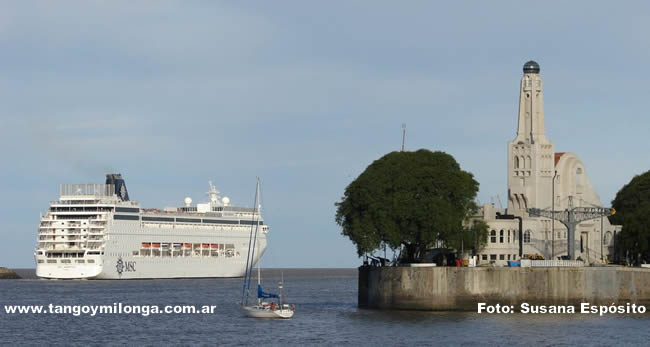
250	255
259	281
254	223
281	287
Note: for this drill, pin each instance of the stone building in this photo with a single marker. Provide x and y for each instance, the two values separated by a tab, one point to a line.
539	177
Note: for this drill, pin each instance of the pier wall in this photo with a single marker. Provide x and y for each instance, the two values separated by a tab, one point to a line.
451	288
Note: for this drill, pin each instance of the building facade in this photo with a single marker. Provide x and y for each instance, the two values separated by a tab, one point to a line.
539	177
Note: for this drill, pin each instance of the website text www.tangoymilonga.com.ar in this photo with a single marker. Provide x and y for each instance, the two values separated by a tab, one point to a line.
115	308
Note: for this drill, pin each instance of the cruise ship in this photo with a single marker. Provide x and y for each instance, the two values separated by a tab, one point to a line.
94	231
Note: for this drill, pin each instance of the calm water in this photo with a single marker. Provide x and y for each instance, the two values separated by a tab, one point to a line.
327	314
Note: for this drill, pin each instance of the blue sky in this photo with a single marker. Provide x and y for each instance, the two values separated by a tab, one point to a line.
305	95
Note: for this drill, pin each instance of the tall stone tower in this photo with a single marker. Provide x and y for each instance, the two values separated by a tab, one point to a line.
530	154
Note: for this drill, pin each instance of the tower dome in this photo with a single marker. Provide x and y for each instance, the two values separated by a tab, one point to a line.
531	67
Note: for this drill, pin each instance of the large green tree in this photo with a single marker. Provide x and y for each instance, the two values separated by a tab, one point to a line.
632	204
408	201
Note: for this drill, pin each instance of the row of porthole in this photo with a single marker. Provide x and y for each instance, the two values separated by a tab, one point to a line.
66	261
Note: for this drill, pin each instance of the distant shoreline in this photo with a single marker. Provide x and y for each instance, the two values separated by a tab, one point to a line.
6	273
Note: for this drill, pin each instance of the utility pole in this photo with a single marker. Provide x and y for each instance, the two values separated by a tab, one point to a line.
403	135
601	239
553	218
615	254
571	217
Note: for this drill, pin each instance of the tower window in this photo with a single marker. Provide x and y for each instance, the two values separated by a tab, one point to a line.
493	236
501	236
527	236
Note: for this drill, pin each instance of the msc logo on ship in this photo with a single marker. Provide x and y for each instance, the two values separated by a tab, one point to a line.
124	266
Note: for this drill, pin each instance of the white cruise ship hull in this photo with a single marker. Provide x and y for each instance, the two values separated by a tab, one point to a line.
146	268
120	246
68	272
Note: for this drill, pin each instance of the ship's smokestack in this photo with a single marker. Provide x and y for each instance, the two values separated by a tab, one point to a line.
120	186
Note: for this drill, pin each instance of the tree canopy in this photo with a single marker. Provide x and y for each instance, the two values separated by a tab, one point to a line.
632	205
408	201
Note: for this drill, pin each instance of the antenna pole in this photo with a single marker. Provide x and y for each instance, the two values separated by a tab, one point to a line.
403	135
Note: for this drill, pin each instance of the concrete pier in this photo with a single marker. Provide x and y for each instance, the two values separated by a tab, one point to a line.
461	289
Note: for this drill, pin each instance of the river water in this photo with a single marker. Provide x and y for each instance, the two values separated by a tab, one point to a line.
326	314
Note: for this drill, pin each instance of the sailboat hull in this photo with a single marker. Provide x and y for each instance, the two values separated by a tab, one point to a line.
266	312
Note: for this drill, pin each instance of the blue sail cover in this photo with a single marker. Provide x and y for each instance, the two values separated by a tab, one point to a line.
264	295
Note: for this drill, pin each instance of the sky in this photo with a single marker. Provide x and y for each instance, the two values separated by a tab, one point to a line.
304	95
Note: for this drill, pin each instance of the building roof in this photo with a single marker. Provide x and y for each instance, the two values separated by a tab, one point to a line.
558	155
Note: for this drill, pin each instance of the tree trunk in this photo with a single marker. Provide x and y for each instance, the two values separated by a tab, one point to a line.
411	252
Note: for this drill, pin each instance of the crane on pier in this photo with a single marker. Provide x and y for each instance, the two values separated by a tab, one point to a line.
571	217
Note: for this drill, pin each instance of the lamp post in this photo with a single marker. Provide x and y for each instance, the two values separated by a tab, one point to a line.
553	218
601	240
615	254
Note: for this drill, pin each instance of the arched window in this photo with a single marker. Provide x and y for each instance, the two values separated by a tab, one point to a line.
607	238
528	162
516	162
501	236
493	236
527	236
508	236
523	162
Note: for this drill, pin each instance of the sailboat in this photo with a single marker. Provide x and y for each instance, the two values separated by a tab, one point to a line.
262	309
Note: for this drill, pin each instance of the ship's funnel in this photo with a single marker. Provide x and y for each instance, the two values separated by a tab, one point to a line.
120	187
